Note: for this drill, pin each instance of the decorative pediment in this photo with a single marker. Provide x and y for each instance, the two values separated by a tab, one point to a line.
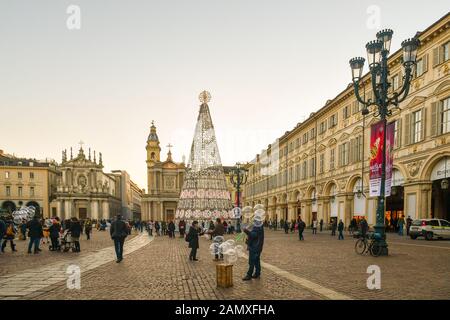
312	152
357	130
415	101
321	148
442	87
304	156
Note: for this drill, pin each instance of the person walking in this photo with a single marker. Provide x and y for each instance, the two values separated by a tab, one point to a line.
314	226
2	229
35	232
171	229
88	228
353	226
23	230
9	235
321	225
75	233
118	232
255	242
192	238
150	228
340	229
54	229
301	225
157	228
408	224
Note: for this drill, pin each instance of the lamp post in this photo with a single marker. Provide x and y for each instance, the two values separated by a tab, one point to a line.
238	177
377	56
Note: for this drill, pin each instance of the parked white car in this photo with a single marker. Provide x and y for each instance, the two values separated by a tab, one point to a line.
430	229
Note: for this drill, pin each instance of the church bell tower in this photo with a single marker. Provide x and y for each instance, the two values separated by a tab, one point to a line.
153	156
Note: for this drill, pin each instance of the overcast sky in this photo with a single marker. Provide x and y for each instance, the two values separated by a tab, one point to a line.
267	64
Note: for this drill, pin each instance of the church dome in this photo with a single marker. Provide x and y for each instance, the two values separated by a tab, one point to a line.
153	136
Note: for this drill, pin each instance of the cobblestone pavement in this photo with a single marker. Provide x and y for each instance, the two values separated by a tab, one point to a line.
12	262
318	268
39	279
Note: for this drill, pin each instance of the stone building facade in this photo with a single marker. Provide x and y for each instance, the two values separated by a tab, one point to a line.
320	168
26	182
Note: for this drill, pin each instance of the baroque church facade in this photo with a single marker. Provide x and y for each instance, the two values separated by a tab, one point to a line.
164	182
83	190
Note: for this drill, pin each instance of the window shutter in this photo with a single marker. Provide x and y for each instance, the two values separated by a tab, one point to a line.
434	118
399	132
407	129
336	119
424	121
425	63
441	54
340	156
435	56
351	153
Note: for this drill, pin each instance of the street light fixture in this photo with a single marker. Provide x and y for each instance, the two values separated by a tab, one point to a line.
377	58
238	177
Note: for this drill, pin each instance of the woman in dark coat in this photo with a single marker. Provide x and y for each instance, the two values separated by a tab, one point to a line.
192	238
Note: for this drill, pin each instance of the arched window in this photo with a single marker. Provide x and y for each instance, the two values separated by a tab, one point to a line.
152	156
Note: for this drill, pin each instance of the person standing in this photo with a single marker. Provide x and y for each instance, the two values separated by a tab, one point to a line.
286	227
164	227
23	230
255	244
88	228
192	238
401	223
75	233
321	225
334	227
182	228
408	224
157	228
219	230
2	228
340	229
171	229
54	229
9	235
364	227
314	226
150	228
35	233
301	225
118	232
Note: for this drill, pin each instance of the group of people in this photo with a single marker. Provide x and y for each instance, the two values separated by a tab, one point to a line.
40	231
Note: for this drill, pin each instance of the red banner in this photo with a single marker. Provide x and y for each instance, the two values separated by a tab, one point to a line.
376	158
390	129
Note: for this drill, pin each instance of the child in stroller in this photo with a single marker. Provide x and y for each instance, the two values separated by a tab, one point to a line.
66	242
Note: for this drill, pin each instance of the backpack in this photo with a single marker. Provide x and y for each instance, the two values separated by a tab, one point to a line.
10	230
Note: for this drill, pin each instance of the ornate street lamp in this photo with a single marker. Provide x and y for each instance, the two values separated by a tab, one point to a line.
238	177
377	56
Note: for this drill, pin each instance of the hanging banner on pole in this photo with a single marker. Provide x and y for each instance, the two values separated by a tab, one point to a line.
376	158
390	128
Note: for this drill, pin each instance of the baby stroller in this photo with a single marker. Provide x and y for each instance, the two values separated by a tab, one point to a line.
66	242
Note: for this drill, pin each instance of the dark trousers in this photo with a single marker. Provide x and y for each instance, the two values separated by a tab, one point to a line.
88	235
193	254
300	235
11	241
341	236
35	241
118	246
55	243
254	263
314	230
321	226
333	232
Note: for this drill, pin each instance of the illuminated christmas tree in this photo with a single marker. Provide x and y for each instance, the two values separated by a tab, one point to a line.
204	194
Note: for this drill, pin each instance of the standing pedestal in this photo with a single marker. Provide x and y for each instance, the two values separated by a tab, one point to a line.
224	275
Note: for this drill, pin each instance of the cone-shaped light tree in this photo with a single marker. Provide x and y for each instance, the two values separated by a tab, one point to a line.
204	194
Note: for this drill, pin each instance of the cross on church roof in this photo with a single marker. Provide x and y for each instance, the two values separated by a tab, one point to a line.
169	146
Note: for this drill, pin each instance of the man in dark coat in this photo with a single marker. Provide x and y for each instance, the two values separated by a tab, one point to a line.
301	225
35	233
75	233
118	233
192	238
334	227
171	229
340	229
255	244
2	228
408	224
364	227
88	228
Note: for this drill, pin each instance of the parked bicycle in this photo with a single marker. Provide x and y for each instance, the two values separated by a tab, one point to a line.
368	244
